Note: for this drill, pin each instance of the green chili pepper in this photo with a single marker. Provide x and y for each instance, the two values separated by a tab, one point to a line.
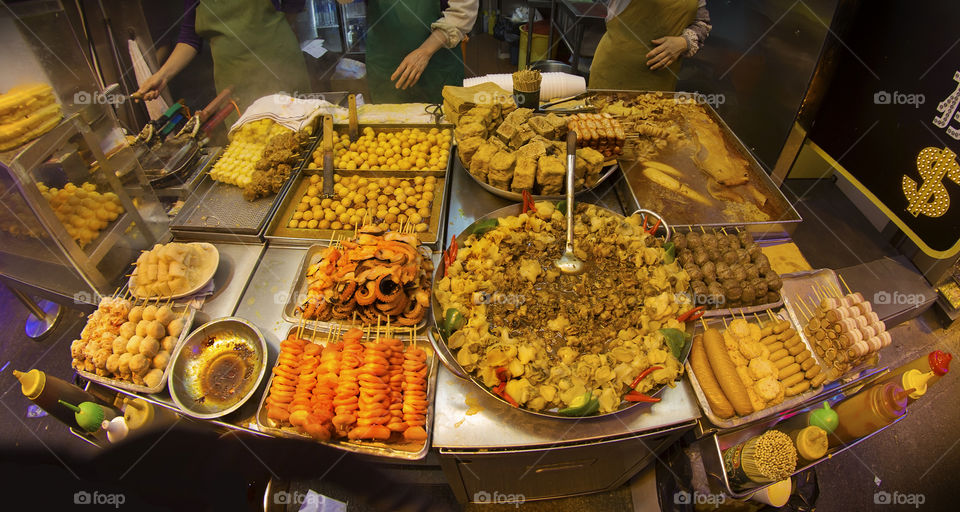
676	340
670	252
453	320
483	226
582	405
562	206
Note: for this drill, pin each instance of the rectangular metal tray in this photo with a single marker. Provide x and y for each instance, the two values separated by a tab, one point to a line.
800	284
278	232
737	421
298	293
377	449
637	191
218	211
129	386
396	127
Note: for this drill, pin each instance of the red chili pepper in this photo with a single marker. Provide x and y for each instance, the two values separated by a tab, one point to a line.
693	314
450	255
502	373
528	203
643	374
499	389
651	230
635	396
510	400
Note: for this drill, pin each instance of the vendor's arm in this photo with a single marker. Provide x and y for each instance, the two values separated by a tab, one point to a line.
446	32
671	48
188	45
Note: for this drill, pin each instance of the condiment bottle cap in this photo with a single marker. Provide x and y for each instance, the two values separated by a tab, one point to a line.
916	380
825	418
939	362
31	382
88	414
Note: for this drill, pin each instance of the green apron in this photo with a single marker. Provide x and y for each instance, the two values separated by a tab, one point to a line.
620	61
396	28
254	49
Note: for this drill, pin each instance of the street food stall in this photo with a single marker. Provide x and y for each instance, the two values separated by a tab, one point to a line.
385	284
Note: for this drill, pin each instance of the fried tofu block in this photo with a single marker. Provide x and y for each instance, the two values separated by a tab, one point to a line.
542	127
482	111
507	130
550	171
480	162
501	145
524	174
522	136
518	116
559	125
533	150
466	130
593	162
467	147
501	169
470	118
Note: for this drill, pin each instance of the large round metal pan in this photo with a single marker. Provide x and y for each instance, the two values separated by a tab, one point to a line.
446	356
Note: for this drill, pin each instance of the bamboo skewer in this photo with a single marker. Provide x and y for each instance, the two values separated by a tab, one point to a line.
759	322
844	284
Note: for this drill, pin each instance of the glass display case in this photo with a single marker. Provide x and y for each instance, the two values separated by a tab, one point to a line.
77	208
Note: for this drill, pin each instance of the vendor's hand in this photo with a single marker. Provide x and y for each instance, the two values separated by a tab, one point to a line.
151	88
410	69
668	50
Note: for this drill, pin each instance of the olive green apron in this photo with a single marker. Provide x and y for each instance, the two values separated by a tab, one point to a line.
620	61
396	28
253	47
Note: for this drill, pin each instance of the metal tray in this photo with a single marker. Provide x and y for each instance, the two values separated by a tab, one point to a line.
396	127
378	449
516	196
450	362
737	421
783	216
129	386
800	284
298	293
218	211
278	232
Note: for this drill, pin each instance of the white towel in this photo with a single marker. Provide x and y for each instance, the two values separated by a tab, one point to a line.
155	107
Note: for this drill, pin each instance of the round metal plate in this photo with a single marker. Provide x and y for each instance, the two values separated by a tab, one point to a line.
447	358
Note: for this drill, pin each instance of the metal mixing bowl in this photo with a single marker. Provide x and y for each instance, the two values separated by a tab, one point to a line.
218	368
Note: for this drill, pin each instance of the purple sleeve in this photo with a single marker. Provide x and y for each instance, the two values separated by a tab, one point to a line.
188	27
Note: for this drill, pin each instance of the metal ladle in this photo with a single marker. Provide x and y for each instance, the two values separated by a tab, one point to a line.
569	263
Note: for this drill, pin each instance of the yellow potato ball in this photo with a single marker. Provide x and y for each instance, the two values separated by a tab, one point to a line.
293	224
312	224
302	224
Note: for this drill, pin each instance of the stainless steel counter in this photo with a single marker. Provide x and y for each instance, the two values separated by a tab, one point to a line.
468	419
237	263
